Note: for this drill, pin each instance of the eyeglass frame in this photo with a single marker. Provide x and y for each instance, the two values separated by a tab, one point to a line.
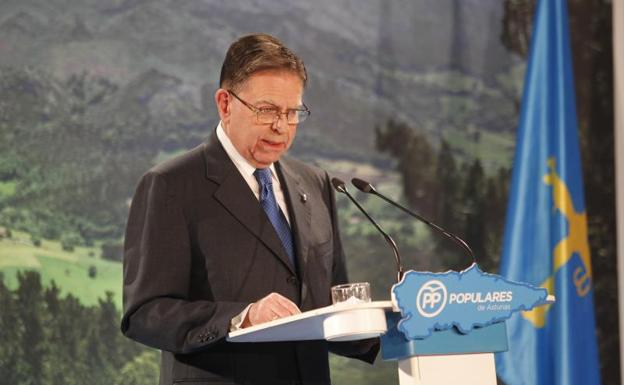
277	113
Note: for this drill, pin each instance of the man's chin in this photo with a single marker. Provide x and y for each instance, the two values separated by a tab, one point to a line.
265	160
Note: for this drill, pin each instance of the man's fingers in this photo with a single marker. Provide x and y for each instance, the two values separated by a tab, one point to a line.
270	308
282	305
279	310
287	304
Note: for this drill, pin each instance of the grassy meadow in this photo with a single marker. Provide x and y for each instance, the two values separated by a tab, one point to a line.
70	270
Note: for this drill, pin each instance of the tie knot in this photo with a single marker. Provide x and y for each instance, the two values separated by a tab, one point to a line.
263	176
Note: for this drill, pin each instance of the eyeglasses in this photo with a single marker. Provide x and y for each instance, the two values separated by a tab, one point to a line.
270	115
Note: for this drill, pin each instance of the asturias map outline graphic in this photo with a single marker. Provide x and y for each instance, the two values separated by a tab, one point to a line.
464	300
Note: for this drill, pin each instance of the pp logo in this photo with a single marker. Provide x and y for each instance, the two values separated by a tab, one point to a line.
431	298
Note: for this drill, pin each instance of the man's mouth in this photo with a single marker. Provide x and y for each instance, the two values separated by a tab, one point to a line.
273	144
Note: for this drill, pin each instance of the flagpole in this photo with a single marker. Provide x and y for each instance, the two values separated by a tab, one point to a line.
618	65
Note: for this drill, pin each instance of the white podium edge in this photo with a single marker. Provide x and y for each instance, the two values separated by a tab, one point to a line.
243	335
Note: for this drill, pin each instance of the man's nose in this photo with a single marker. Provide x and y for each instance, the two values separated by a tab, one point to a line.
281	123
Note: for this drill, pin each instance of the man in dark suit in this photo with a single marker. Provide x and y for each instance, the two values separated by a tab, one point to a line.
231	234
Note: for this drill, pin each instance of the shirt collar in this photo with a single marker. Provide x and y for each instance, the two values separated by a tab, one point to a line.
243	166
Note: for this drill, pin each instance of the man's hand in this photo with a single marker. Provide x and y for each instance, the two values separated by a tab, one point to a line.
270	308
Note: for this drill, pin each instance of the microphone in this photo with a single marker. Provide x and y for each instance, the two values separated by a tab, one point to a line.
339	185
368	188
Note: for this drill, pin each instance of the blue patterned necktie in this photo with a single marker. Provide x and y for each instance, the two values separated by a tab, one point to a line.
276	216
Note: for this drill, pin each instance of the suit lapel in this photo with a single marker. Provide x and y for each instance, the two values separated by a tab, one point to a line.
300	214
238	199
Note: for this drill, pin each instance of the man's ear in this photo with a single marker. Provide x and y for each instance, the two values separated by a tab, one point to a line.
222	100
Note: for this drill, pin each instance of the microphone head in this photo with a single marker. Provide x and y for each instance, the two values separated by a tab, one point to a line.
339	185
363	185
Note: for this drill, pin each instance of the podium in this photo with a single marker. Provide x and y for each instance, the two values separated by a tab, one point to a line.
431	347
447	357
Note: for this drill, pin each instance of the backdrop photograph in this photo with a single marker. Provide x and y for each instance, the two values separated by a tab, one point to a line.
428	100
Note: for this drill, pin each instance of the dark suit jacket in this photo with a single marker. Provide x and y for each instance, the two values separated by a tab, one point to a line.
199	248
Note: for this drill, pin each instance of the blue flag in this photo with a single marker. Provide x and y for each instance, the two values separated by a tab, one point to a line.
545	241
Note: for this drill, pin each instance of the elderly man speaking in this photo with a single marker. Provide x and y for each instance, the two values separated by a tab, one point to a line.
233	234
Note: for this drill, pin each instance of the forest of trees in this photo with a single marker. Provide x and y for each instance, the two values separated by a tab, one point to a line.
458	195
56	340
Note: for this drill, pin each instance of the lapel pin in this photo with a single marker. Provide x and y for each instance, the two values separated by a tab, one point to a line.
304	197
